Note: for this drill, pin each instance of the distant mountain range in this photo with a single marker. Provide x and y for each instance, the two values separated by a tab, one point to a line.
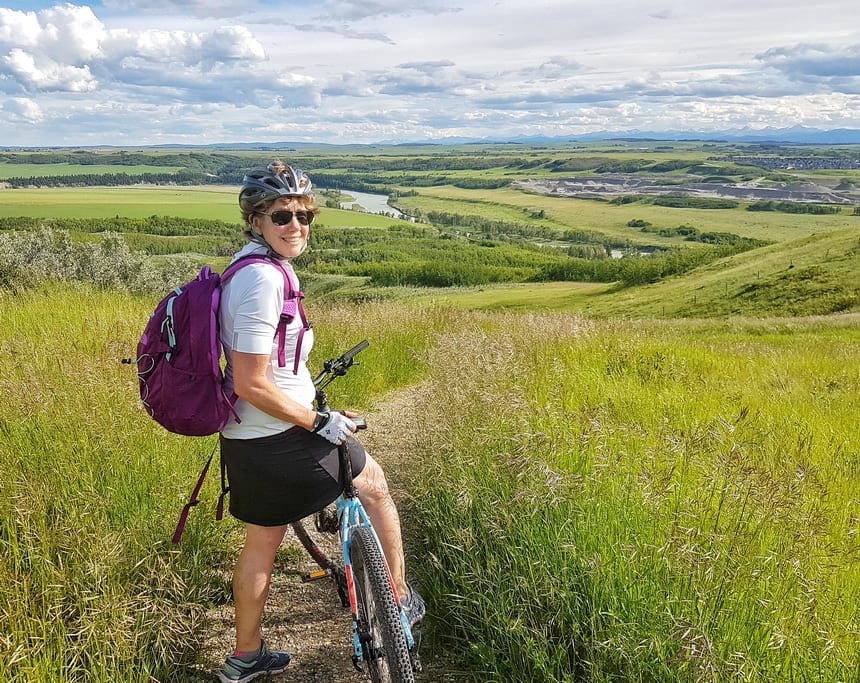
795	135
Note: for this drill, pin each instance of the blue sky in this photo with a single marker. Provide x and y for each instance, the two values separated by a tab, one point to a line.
141	72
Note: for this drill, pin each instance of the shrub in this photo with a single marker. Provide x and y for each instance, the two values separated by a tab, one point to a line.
28	259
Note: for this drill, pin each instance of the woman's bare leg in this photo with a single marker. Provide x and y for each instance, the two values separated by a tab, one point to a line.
373	494
252	577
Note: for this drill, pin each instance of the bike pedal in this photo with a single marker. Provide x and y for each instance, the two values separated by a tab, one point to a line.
316	576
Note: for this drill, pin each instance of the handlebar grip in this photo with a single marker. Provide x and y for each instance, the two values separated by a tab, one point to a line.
355	350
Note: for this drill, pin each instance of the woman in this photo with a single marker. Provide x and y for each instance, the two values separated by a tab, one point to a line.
281	455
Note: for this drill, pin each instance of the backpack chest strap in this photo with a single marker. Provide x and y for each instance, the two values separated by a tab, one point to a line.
292	307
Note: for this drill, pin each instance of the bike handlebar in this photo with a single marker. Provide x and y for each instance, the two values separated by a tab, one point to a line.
339	367
354	351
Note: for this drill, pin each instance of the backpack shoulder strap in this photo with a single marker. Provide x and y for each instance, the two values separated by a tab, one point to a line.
292	305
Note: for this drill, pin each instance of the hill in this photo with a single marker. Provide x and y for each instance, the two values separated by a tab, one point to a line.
815	275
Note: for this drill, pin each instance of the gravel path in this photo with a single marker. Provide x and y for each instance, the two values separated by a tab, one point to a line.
307	618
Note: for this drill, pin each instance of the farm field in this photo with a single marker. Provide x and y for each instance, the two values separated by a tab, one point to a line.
601	216
135	202
206	202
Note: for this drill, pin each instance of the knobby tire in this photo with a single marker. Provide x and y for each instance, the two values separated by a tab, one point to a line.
385	647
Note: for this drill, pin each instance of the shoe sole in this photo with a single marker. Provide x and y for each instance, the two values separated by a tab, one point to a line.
268	672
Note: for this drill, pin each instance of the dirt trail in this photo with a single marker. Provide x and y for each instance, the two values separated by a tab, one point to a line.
307	618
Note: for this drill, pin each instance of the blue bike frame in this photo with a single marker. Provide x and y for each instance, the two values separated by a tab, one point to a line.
352	515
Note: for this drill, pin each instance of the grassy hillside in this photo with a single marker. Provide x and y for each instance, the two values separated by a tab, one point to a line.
816	275
91	589
594	501
643	501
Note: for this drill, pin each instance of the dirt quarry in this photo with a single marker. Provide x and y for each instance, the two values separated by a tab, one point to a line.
609	185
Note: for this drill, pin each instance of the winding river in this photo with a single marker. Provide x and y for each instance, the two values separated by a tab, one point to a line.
372	203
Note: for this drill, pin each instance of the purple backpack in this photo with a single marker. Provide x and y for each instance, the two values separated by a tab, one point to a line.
179	354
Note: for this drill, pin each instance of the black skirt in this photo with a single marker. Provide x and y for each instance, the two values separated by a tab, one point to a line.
282	478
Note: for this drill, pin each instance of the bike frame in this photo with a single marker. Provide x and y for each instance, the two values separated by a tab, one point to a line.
352	515
350	512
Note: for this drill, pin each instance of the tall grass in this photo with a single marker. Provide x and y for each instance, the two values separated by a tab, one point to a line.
634	502
91	589
596	502
90	488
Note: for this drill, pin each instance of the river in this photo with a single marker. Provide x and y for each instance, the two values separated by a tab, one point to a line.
372	203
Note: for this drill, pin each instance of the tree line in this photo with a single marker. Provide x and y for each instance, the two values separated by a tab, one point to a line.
795	207
692	234
122	179
204	161
495	228
386	258
153	225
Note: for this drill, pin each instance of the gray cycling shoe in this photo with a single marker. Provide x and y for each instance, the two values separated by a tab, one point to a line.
414	607
267	662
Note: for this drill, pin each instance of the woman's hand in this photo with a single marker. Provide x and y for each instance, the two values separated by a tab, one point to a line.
334	426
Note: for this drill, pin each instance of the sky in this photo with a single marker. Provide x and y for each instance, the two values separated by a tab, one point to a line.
150	72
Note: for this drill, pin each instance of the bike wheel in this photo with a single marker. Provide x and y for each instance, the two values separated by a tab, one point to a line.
383	641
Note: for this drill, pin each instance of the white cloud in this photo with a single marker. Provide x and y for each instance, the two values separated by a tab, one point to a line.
344	31
44	74
67	49
352	10
23	108
197	8
18	29
69	33
822	65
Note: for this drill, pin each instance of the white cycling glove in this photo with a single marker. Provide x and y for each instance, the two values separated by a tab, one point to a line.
335	427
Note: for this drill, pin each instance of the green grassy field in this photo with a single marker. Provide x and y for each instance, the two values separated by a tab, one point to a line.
91	488
593	501
585	214
643	501
217	203
210	202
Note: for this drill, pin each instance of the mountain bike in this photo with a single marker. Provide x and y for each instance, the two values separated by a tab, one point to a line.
382	637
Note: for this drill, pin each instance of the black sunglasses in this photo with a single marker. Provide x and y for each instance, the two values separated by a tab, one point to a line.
284	217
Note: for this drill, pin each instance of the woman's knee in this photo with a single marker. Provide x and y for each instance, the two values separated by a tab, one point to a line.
264	539
371	483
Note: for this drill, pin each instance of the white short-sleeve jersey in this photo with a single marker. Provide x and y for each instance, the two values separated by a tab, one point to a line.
250	309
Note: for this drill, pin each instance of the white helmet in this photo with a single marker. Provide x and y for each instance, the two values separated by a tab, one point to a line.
261	186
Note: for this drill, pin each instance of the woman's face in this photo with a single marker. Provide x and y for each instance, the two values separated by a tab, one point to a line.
290	239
